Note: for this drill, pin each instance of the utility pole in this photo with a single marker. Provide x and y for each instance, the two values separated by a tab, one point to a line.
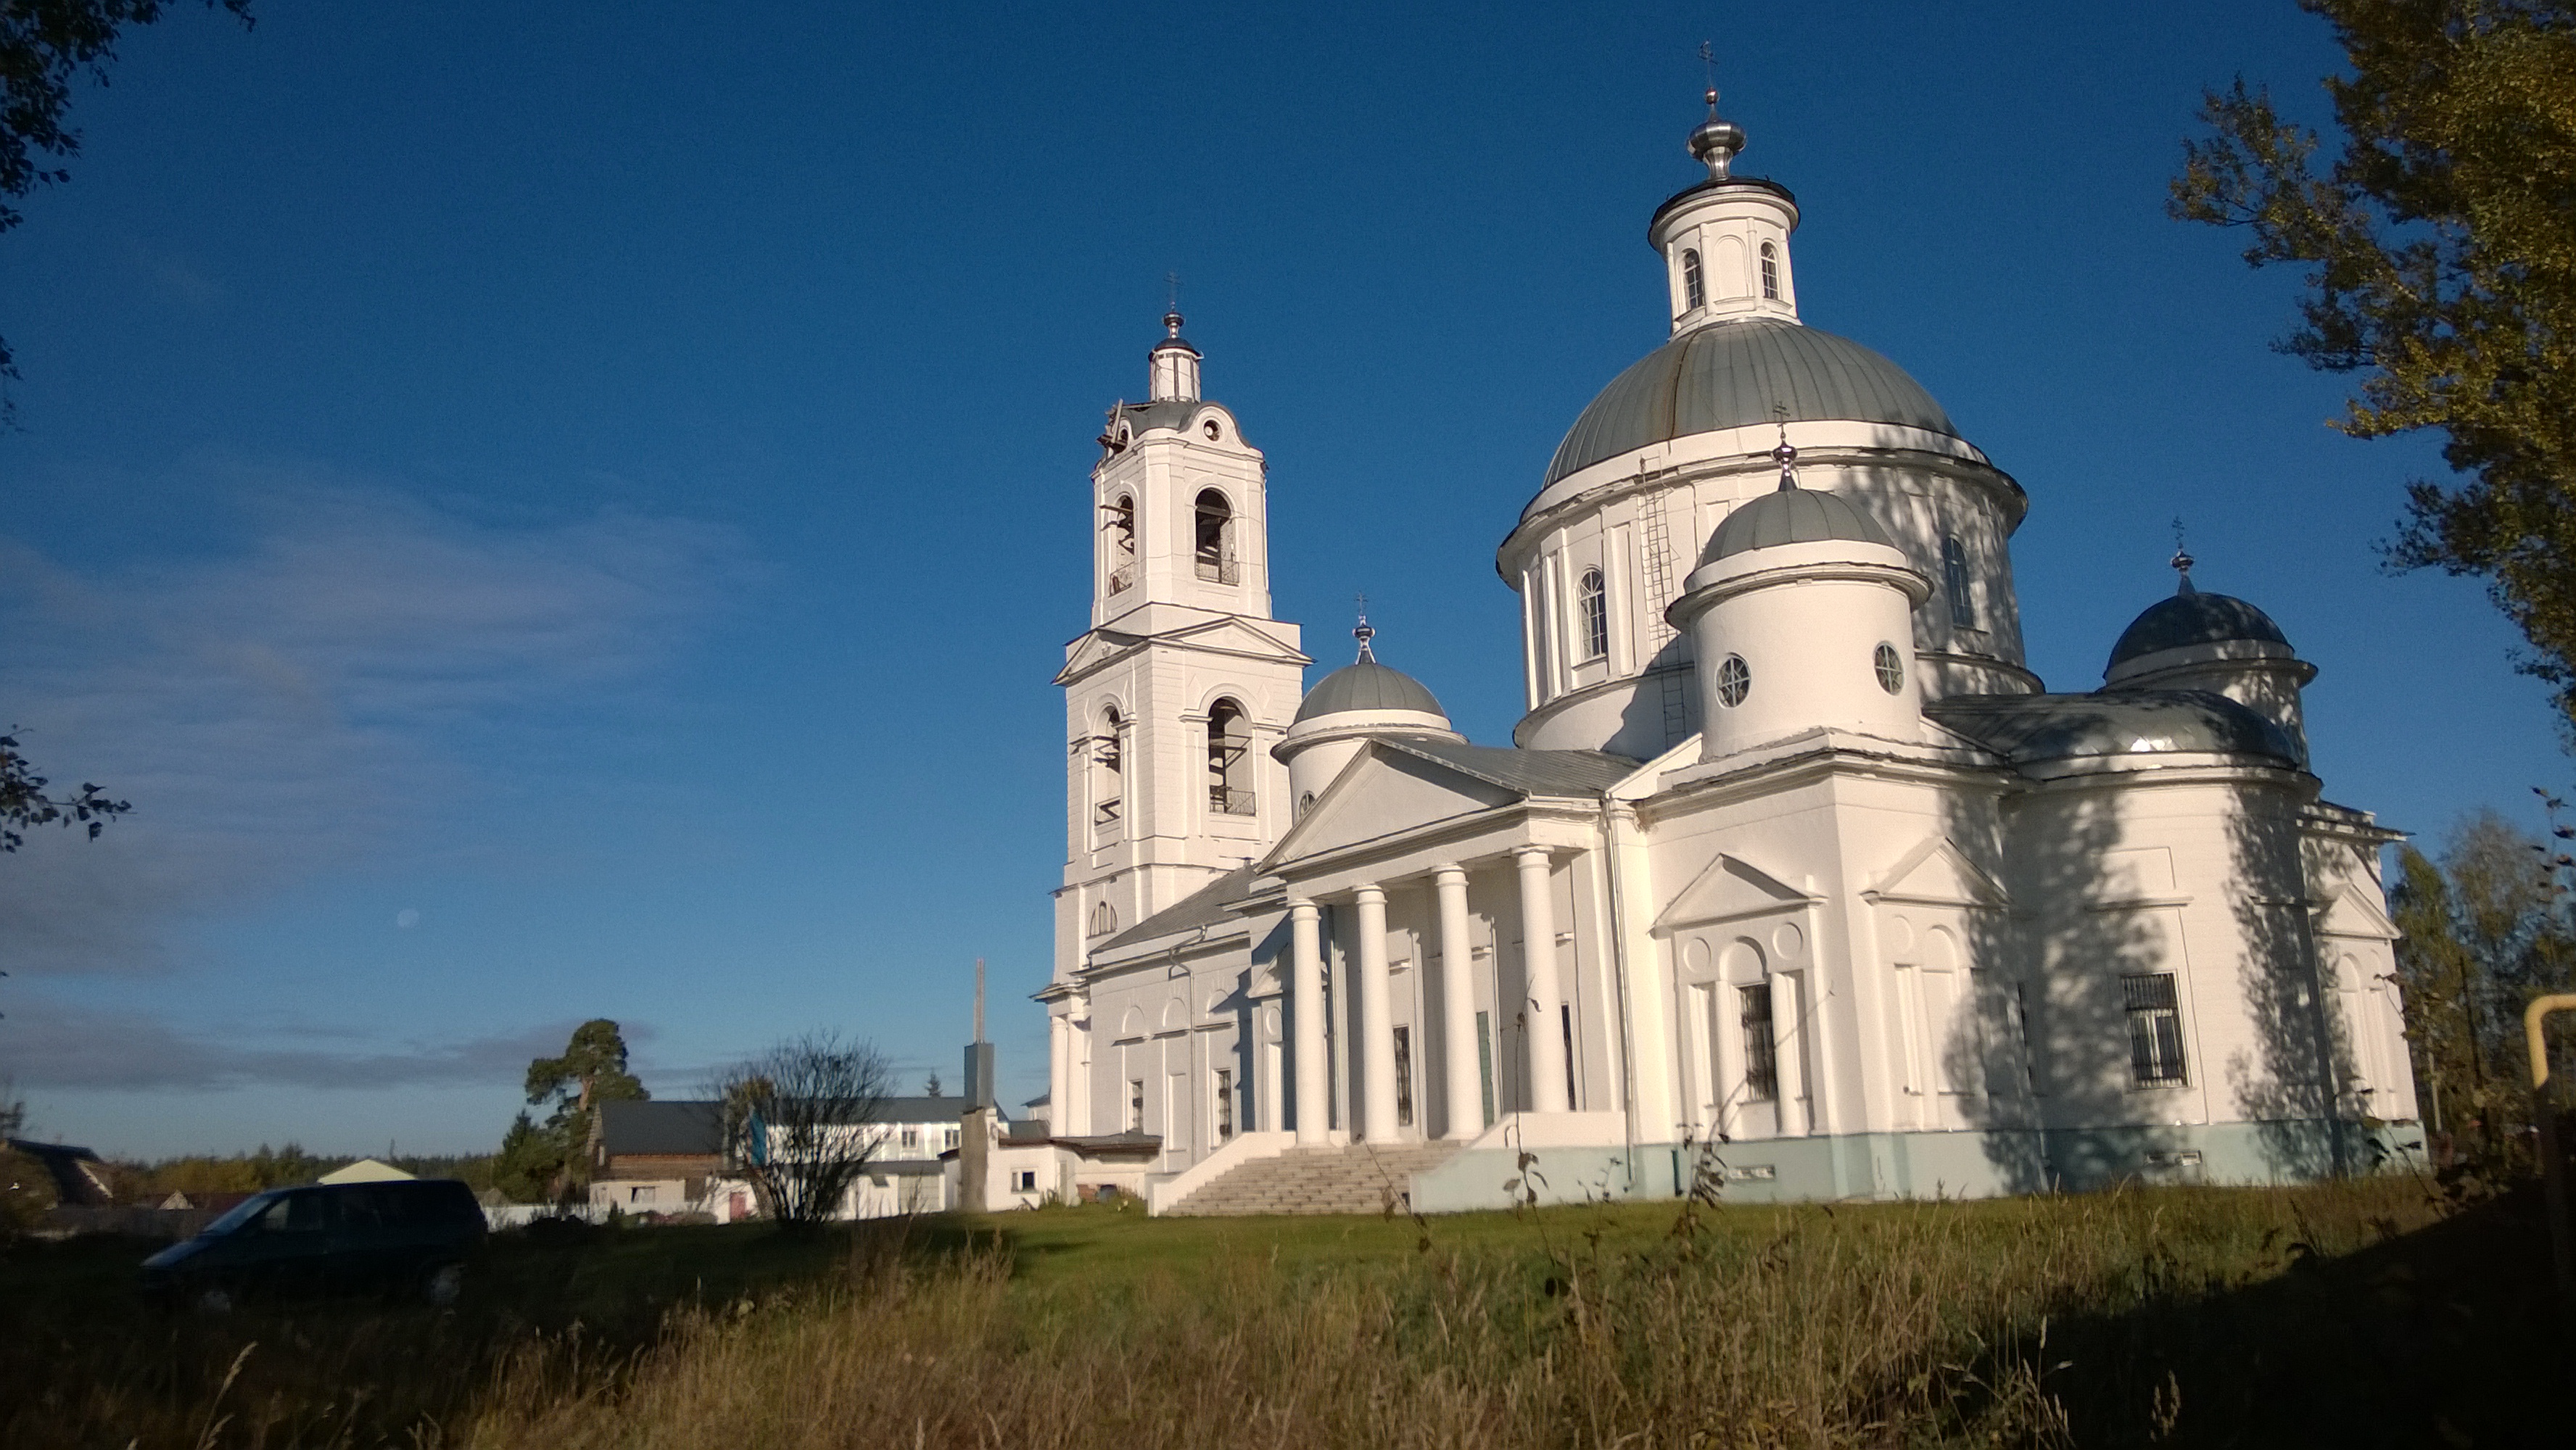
975	1128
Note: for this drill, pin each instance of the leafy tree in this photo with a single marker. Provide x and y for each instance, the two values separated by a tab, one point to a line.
23	801
591	1071
2487	929
45	45
2440	254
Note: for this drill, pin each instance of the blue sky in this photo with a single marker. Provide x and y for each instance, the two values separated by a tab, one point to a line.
567	511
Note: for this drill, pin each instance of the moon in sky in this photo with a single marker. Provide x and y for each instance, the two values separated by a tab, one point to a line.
407	918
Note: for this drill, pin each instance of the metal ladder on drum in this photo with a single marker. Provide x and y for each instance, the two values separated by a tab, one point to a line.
1655	538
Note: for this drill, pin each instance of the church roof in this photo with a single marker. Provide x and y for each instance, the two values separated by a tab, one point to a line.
1200	909
1530	772
1793	516
2030	728
2190	618
1751	371
1367	685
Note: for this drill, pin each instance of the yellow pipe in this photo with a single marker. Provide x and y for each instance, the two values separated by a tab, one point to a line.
2541	1007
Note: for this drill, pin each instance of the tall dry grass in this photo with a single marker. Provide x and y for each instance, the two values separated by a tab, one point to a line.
1912	1324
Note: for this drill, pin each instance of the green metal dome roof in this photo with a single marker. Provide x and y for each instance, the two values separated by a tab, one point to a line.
2191	617
1793	516
1367	685
1734	375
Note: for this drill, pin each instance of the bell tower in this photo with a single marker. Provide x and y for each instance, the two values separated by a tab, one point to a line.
1176	694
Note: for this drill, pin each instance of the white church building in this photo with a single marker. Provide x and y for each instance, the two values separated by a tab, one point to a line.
1793	878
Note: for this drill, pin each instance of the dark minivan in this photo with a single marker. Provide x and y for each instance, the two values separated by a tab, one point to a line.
408	1236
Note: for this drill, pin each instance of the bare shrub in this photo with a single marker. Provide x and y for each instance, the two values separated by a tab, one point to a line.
799	1122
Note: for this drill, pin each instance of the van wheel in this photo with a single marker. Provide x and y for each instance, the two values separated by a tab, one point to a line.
444	1284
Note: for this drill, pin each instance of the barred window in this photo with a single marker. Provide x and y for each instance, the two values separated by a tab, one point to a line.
2155	1029
1761	1049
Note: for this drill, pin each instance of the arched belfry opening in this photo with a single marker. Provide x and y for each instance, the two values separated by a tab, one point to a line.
1215	542
1118	530
1229	762
1108	772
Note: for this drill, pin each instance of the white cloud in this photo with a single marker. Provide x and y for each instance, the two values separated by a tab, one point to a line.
287	705
56	1046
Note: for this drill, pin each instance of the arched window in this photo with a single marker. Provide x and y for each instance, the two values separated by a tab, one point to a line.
1108	772
1216	538
1694	286
1104	918
1229	760
1770	272
1119	523
1594	604
1954	582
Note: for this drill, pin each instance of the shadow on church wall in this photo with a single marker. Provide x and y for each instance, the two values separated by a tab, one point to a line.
2041	1051
2290	1083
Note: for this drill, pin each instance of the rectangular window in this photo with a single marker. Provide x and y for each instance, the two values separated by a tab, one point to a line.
2155	1029
952	1138
911	1136
1404	1077
1135	1105
1485	1060
1024	1181
1565	1024
1224	1104
1761	1049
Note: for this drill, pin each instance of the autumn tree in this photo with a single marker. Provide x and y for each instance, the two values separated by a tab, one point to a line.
2487	929
45	46
2438	239
24	802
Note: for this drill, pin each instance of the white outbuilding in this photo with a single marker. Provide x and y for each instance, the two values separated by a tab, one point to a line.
1793	877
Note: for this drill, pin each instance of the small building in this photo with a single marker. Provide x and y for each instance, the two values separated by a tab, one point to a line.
367	1170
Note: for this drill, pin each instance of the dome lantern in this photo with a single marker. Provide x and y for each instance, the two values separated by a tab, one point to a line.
1725	240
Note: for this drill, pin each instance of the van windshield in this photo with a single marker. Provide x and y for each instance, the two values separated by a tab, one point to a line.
239	1214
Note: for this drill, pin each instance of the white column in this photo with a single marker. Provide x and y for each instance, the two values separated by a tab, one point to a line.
1059	1074
1789	1066
1376	1060
1307	983
1546	1032
1465	1095
1268	1113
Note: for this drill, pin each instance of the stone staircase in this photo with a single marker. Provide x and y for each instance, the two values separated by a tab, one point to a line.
1356	1179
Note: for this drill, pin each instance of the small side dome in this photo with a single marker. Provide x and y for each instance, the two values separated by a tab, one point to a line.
1793	516
2191	618
1367	685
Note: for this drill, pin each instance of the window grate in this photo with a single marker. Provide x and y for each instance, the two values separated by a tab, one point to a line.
2154	1011
1761	1048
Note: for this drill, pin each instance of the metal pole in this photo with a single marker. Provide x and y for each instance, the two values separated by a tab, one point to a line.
2553	1164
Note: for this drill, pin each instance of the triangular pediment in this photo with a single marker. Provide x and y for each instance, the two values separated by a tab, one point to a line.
1729	889
1230	635
1092	651
2354	911
1381	794
1936	872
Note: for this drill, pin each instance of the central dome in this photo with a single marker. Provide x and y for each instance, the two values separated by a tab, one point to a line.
1734	375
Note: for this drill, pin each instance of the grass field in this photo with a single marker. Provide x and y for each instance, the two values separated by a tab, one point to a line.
2347	1314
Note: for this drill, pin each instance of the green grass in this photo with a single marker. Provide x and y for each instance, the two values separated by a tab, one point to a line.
2355	1314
